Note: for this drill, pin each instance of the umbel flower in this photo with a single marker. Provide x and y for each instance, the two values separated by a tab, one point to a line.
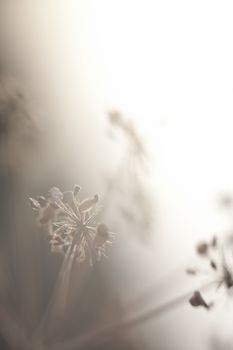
218	260
72	224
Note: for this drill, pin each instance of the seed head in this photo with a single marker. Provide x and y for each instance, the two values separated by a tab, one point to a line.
72	224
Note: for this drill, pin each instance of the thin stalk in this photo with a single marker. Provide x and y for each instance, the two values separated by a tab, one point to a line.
151	290
62	282
104	333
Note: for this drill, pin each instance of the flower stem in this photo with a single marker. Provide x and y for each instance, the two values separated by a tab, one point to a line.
102	334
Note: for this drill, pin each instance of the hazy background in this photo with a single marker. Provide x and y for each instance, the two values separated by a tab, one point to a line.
167	65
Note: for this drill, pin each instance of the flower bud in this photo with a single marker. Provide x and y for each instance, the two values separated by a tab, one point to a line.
197	300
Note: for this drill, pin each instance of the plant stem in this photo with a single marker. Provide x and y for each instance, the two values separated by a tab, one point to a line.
104	333
63	277
151	291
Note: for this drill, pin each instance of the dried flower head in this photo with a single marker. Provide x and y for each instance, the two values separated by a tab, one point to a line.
218	258
72	224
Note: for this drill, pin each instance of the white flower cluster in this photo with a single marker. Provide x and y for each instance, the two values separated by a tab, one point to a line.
72	224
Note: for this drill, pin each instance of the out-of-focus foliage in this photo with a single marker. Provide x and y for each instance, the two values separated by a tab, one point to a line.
17	128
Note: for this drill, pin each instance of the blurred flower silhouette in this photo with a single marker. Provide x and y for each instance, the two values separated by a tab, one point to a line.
127	189
17	129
